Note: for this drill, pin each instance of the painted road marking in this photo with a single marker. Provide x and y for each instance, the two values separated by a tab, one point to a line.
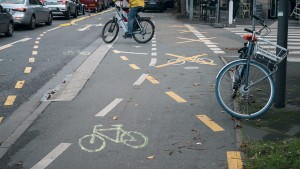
1	118
11	44
124	57
84	28
27	70
109	107
118	51
34	52
210	123
19	84
133	66
140	80
195	59
31	60
234	160
153	62
152	80
49	158
176	97
180	60
35	47
10	100
36	42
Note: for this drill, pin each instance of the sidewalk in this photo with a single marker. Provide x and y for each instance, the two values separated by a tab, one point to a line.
276	124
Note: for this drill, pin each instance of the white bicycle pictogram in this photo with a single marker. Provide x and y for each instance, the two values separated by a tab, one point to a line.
95	142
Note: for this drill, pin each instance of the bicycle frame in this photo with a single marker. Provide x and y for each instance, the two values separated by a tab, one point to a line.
118	127
121	21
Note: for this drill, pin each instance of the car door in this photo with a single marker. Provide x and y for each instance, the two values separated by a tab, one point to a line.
3	19
37	8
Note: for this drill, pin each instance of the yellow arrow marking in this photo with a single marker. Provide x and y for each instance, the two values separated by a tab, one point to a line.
133	66
27	70
176	97
179	60
210	123
10	100
152	80
234	160
19	84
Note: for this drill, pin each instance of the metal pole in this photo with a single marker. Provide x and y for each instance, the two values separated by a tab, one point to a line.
218	23
253	12
191	11
282	35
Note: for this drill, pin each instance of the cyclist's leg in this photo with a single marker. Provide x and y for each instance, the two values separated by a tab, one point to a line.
131	18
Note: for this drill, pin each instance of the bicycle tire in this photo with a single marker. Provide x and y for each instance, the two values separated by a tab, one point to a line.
243	103
110	28
132	141
148	28
88	140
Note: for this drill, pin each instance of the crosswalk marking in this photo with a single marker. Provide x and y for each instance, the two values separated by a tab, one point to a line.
49	158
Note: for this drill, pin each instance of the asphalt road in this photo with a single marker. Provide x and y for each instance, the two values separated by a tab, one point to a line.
139	108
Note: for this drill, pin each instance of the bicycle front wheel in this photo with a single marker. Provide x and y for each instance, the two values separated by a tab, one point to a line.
144	33
110	31
239	100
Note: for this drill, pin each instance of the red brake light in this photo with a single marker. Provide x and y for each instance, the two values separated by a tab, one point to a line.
20	9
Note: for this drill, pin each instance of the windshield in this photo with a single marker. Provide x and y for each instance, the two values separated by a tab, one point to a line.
54	1
12	1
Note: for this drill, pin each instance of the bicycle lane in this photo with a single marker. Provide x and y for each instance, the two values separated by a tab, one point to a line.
170	109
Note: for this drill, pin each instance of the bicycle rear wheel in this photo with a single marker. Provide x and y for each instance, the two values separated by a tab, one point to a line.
144	33
110	31
235	98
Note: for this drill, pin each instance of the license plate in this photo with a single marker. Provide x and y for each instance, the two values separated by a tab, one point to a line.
91	4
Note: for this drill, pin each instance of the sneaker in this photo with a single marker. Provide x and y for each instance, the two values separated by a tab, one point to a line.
127	35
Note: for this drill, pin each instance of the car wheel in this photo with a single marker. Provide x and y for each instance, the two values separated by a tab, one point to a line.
10	30
32	24
76	13
67	15
50	18
83	11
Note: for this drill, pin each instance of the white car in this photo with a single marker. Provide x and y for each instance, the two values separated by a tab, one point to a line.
28	12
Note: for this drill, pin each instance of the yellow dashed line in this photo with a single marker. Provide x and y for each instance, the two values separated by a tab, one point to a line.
1	118
134	66
27	70
10	100
34	52
31	60
210	123
124	57
19	84
152	80
234	160
176	97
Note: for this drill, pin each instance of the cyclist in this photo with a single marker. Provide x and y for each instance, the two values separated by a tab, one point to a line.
134	7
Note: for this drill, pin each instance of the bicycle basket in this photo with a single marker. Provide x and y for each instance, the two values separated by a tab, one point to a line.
269	51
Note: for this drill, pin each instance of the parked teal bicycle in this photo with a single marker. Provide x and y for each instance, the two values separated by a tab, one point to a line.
245	87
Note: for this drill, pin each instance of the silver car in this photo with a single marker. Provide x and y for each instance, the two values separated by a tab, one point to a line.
28	12
66	8
6	22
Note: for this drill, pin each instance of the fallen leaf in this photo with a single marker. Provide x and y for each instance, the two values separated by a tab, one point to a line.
115	118
151	157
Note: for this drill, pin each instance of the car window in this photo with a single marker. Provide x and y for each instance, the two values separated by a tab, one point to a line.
12	1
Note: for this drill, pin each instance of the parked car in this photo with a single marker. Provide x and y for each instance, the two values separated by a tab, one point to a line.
154	5
6	22
93	5
66	8
28	12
